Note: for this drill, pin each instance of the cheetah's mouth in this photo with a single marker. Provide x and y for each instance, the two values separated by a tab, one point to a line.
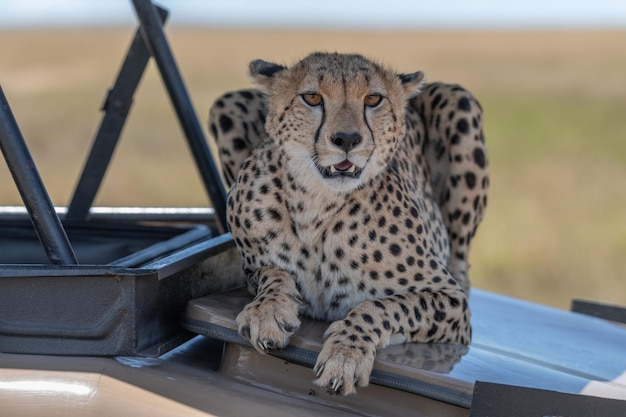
342	169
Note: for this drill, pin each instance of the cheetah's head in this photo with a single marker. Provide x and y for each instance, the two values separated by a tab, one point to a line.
337	118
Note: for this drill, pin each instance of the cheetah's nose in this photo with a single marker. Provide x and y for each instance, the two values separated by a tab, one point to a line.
346	140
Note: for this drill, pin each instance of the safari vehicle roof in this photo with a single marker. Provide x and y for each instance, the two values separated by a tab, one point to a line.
522	355
133	314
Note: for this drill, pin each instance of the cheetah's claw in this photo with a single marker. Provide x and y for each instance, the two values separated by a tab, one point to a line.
343	365
269	325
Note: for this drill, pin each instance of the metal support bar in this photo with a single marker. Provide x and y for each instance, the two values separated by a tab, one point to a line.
604	311
20	162
155	39
116	107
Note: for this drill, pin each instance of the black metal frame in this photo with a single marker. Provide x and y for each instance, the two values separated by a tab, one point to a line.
116	107
604	311
32	190
149	41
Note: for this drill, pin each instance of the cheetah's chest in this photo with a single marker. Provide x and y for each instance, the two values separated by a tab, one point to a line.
330	279
374	246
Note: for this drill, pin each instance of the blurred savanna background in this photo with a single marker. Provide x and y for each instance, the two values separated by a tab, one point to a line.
555	120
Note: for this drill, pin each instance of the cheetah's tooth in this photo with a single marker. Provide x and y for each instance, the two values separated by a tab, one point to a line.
333	169
352	169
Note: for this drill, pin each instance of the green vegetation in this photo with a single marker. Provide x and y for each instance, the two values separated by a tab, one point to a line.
555	227
555	120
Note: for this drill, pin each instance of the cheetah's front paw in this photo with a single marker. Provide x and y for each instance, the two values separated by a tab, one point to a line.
268	323
345	361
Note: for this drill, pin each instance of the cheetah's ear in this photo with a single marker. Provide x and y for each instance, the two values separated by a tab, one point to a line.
262	72
412	83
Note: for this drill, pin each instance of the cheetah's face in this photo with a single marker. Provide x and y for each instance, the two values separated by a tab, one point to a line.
338	118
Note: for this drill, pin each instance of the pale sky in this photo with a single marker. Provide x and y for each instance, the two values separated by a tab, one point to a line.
348	14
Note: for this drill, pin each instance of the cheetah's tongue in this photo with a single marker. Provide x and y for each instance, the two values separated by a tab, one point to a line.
344	166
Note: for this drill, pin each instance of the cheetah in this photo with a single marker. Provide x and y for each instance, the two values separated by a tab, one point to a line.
355	194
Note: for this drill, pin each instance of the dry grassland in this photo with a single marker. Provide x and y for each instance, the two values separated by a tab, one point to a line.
555	112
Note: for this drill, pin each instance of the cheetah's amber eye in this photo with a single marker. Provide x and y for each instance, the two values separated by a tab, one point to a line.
312	99
373	100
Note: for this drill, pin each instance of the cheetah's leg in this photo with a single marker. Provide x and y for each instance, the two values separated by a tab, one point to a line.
237	123
457	158
269	321
350	345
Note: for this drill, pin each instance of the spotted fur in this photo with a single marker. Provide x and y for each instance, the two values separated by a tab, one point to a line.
355	194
